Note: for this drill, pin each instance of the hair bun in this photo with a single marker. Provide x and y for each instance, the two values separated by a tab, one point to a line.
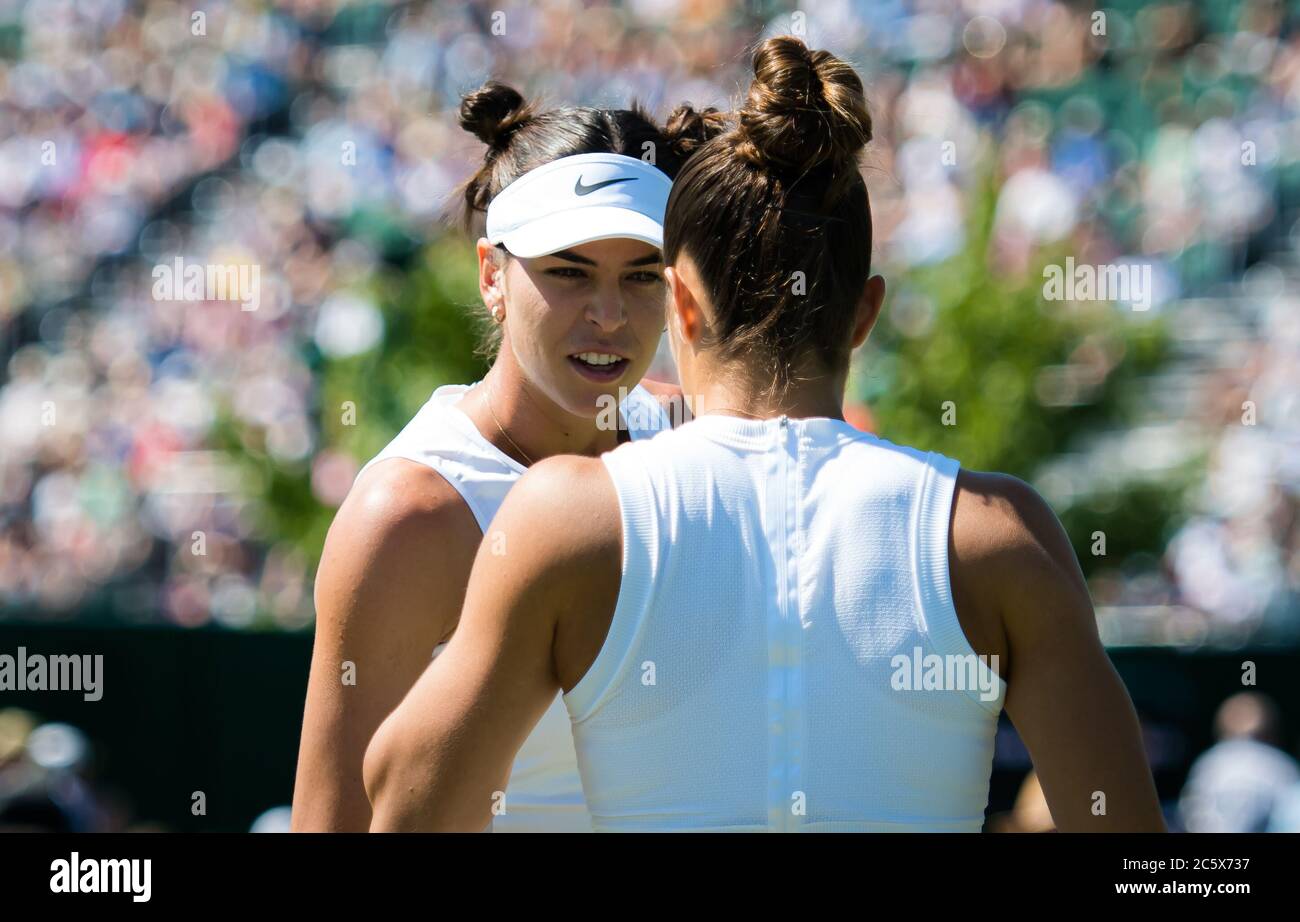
687	129
806	109
493	112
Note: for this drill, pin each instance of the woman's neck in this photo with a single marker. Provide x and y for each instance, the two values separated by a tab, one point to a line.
729	392
521	421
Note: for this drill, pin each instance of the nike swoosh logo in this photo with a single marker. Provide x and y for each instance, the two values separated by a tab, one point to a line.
580	189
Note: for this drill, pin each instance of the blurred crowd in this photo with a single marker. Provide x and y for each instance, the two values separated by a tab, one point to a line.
306	136
49	782
45	779
1245	781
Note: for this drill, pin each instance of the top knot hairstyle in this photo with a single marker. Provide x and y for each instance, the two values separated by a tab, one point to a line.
774	213
519	138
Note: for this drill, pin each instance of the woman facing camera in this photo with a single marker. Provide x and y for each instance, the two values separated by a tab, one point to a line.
571	273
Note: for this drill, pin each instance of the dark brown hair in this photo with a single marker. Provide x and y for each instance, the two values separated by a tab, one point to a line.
520	139
777	195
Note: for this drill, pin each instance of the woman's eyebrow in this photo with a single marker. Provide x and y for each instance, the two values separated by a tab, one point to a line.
573	257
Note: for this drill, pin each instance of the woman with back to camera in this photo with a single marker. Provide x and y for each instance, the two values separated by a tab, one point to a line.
570	271
766	619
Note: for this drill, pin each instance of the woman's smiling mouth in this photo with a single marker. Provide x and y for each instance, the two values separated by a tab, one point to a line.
601	367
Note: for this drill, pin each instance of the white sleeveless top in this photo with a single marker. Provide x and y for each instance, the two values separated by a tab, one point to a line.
778	658
544	793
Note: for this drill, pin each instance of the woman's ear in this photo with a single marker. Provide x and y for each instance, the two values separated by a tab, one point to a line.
490	273
683	310
873	296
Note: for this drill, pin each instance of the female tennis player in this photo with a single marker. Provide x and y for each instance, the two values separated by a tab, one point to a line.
570	271
766	619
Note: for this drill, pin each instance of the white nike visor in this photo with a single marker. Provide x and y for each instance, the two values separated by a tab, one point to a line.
576	200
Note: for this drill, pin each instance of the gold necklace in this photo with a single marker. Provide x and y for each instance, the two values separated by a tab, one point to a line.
502	430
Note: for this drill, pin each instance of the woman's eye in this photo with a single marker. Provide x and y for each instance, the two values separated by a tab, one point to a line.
646	277
566	272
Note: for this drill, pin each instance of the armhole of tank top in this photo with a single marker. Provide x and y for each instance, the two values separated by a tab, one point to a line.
433	462
933	582
640	556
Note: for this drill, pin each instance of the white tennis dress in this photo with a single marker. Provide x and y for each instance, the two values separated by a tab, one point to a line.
545	792
784	654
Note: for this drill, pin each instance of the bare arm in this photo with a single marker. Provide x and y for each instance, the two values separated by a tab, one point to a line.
389	589
440	760
1063	695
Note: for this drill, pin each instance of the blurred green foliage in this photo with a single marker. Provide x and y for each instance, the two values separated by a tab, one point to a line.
432	327
431	331
956	335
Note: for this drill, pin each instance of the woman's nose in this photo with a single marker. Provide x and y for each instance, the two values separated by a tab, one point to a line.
606	309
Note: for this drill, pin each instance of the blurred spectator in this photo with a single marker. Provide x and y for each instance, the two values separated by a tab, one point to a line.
1237	783
277	819
43	785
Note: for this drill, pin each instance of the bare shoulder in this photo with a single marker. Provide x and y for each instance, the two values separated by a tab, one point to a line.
574	498
403	538
564	538
1001	526
1015	580
398	502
